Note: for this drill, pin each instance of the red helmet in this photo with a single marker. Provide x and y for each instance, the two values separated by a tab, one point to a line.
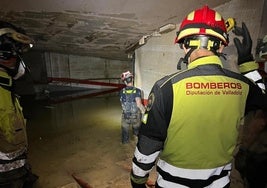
204	21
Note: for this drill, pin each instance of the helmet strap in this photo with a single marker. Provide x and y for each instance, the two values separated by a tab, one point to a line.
128	80
221	55
17	71
200	42
185	58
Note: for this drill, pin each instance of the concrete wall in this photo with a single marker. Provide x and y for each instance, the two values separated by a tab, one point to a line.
159	56
76	67
84	67
44	67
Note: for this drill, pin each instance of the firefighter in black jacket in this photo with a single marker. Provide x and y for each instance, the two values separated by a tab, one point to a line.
190	128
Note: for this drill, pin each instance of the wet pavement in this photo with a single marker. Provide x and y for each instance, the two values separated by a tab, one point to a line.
80	137
83	138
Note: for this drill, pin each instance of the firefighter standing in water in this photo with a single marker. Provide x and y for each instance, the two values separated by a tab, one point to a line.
191	124
132	107
14	169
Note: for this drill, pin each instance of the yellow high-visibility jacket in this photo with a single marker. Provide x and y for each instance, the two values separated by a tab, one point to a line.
192	123
13	138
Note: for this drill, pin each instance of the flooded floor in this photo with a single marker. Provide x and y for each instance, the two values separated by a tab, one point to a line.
80	137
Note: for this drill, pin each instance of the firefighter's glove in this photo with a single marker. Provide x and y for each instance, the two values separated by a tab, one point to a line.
135	185
138	182
241	161
244	47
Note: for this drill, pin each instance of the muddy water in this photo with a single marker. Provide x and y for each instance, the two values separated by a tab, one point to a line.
81	137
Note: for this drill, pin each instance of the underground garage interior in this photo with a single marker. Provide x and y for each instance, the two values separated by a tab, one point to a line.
69	93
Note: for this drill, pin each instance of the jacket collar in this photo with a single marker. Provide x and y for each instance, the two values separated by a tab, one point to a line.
205	60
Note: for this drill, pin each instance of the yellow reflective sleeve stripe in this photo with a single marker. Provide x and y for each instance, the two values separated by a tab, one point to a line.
249	66
144	118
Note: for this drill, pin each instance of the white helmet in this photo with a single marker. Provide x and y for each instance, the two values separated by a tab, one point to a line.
127	77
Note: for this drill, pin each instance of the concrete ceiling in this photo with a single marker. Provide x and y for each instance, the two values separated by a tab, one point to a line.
99	28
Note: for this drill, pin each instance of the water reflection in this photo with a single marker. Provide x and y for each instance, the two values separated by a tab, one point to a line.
76	114
80	136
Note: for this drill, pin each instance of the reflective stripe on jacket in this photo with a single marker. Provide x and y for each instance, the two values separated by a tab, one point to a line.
192	120
13	138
